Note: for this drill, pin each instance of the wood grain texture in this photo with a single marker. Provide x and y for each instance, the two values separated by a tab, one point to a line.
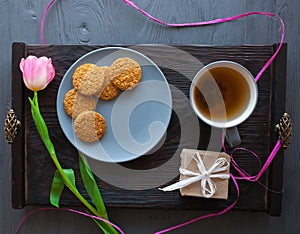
19	21
18	176
257	128
279	97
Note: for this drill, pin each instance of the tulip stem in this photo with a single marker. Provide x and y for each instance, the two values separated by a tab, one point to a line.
69	184
43	131
74	190
35	100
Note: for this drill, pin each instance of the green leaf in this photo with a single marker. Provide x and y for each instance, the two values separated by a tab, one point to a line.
58	185
104	226
91	186
56	189
94	193
66	177
71	175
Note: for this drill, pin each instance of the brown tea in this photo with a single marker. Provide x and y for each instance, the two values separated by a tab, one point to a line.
221	94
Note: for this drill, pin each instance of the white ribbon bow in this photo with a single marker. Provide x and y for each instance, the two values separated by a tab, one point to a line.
208	187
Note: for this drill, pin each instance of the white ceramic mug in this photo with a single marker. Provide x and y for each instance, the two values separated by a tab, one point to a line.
223	94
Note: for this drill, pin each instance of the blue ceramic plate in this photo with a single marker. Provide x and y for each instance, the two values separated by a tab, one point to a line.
136	120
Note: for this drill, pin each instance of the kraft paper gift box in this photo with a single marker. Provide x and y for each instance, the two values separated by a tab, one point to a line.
189	162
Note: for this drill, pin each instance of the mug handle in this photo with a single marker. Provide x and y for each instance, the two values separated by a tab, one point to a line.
232	136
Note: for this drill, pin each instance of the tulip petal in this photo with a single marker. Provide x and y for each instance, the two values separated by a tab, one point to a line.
37	72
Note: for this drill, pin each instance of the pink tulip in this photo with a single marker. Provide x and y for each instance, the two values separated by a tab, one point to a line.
37	72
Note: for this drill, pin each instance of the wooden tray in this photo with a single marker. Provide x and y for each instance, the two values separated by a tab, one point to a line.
32	168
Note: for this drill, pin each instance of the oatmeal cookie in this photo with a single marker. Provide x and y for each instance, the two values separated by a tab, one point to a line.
89	126
126	73
75	103
80	73
109	92
93	81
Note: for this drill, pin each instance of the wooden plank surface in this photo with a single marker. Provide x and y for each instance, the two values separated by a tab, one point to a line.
18	176
179	65
256	127
112	22
279	96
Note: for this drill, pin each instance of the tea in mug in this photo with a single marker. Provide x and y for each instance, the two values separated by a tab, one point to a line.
221	94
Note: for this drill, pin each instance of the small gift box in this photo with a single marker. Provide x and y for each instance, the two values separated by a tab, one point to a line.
203	174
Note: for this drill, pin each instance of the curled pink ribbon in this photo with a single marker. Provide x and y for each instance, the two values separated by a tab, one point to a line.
208	215
193	24
65	209
243	174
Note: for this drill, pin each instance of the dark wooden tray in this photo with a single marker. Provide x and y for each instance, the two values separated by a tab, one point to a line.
32	168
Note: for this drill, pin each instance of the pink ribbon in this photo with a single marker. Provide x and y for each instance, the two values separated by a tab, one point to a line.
208	215
243	175
193	24
255	178
65	209
43	21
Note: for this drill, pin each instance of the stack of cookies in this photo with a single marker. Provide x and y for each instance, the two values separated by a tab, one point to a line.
91	83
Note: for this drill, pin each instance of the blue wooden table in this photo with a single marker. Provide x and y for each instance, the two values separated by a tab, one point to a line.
113	22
